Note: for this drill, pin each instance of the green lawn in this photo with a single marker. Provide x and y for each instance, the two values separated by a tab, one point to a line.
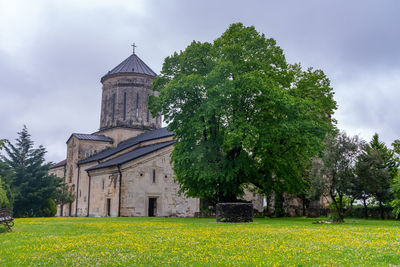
167	241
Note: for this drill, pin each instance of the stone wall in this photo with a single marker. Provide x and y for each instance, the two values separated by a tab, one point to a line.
124	103
77	150
83	192
83	187
59	172
256	199
148	177
104	187
120	134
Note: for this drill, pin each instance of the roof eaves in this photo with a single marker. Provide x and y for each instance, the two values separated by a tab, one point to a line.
128	145
59	164
116	162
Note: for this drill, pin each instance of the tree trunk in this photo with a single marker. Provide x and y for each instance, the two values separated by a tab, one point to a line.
340	212
267	211
350	211
303	200
381	210
279	211
339	209
365	208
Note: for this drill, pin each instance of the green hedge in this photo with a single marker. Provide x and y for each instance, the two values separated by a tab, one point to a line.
373	212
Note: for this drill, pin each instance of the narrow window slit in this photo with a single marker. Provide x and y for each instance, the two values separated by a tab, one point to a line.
124	105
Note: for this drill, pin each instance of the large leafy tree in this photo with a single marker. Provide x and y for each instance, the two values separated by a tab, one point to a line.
334	172
241	115
26	173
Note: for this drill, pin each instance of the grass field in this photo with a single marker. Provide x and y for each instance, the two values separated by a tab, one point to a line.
167	241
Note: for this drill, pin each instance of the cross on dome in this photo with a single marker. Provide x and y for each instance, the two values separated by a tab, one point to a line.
133	47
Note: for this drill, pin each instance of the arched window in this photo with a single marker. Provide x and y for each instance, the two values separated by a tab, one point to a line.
137	106
124	105
113	107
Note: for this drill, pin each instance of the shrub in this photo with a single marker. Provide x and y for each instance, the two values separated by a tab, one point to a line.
49	209
373	212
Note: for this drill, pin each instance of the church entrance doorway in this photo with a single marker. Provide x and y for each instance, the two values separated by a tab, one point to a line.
152	206
108	207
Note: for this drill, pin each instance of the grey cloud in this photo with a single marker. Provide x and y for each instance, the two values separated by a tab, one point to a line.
73	47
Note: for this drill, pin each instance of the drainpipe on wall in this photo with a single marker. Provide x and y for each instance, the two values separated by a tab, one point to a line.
120	183
65	181
77	192
88	202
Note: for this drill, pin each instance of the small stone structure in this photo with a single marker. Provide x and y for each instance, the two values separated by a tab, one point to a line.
234	212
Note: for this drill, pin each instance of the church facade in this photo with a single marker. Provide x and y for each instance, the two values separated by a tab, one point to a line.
124	169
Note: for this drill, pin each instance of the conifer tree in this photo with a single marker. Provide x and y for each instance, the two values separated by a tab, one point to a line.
27	175
378	168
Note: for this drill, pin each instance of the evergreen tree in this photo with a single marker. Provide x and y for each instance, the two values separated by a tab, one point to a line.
377	169
27	175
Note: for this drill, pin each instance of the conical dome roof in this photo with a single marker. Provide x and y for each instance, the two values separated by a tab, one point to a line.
132	65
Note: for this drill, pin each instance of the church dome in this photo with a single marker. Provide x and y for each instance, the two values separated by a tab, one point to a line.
132	65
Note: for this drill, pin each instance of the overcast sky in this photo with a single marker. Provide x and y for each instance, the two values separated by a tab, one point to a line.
53	54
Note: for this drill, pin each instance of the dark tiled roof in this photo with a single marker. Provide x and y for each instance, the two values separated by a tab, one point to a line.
150	135
91	137
131	155
60	164
133	64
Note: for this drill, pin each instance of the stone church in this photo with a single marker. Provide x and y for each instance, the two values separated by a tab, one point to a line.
124	168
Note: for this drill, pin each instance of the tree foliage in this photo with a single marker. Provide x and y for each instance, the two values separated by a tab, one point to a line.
25	171
64	195
377	167
363	183
395	203
48	209
333	173
241	114
3	194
